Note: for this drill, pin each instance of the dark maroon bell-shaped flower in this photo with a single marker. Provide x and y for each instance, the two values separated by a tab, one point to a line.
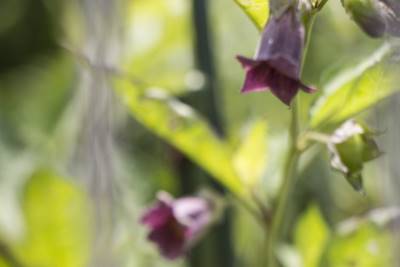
176	224
276	66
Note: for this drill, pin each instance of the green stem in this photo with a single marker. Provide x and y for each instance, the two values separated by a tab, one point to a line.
277	229
285	191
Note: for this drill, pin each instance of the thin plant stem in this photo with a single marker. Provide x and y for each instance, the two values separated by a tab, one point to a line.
289	173
285	191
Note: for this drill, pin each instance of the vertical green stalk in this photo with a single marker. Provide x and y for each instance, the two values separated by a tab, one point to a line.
285	191
215	249
277	229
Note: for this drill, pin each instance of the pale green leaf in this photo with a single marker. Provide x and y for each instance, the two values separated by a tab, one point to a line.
289	256
366	246
311	236
257	10
356	90
181	126
160	30
57	223
251	158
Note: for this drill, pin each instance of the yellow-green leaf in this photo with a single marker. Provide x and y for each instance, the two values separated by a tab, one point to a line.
311	236
251	158
167	44
366	246
183	127
57	223
356	90
256	10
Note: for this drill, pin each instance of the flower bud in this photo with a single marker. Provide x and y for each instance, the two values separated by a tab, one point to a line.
375	17
351	145
391	12
368	16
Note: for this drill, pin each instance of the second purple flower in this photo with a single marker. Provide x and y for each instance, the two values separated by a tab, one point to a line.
176	224
277	63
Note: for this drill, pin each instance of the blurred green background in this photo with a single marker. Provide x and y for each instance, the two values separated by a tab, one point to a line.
77	169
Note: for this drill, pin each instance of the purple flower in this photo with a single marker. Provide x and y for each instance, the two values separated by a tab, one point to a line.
277	63
176	224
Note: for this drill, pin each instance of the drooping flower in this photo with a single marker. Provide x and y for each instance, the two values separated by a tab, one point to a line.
176	224
277	63
375	17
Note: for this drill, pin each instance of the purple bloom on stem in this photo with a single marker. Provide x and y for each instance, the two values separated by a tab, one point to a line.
278	60
176	224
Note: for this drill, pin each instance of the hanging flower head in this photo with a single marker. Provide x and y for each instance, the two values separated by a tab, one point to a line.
176	224
277	63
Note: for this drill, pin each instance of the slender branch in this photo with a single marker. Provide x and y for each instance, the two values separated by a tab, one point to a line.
310	138
278	222
261	217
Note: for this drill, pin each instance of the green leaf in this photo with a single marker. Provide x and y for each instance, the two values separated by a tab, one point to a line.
311	236
366	246
181	126
57	223
168	45
356	90
31	106
3	263
256	10
251	158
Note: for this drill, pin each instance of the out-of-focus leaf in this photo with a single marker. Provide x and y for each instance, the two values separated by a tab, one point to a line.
251	158
311	236
57	223
182	127
368	246
3	263
356	90
289	256
158	49
33	97
257	10
248	243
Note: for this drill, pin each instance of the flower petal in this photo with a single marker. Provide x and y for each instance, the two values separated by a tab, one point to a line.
247	63
307	89
257	77
283	87
158	215
194	213
170	239
282	43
